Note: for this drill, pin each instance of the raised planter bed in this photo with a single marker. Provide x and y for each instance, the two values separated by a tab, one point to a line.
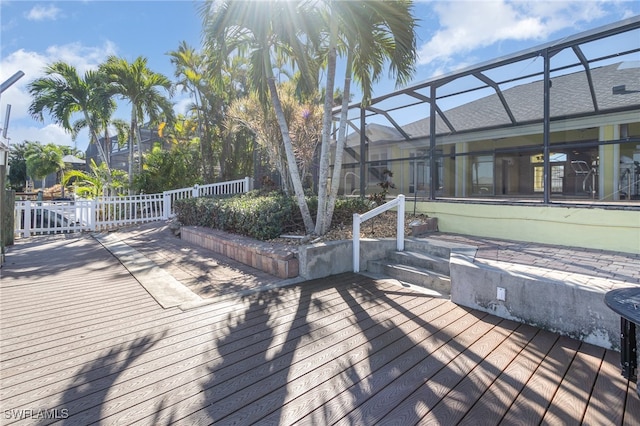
276	261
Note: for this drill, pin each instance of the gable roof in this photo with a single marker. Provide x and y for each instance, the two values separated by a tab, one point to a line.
616	88
570	97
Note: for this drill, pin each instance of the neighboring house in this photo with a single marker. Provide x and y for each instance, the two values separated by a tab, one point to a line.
119	156
485	143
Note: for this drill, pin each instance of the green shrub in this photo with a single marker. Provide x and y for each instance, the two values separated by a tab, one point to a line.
258	215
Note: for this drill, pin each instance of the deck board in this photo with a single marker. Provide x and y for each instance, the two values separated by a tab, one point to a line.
439	397
343	350
569	403
609	393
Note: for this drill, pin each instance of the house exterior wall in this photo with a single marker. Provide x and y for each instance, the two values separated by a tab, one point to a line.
593	227
510	169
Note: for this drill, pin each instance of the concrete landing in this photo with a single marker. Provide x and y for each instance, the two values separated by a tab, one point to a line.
161	285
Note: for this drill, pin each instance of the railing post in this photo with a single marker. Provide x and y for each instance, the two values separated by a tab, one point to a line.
92	214
195	192
400	229
27	218
166	205
356	242
247	184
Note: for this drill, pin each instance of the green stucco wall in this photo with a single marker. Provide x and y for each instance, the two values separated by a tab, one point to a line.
592	227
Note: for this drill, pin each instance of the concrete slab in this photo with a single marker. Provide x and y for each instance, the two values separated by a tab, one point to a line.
163	287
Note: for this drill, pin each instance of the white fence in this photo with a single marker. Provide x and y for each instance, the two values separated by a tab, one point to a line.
54	217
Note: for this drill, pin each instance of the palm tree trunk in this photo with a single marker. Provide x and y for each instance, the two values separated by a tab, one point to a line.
94	135
325	148
288	148
107	144
139	144
62	183
131	147
342	138
201	127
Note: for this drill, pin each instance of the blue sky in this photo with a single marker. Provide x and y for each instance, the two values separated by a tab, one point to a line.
451	35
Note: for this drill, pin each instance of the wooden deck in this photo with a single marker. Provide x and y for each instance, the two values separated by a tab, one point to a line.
82	342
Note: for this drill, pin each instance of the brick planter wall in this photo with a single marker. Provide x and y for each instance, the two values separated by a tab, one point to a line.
279	262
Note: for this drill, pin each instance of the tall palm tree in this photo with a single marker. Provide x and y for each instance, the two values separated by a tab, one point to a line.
191	71
370	34
261	30
63	93
139	85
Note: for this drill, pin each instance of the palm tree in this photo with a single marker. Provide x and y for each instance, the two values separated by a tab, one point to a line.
42	160
192	73
18	166
261	30
304	120
101	121
63	93
139	85
371	34
100	181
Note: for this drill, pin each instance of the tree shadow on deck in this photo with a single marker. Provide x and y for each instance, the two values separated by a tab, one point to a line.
84	398
43	256
267	371
420	384
248	367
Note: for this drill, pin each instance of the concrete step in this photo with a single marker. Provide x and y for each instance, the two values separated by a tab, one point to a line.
428	246
422	277
421	260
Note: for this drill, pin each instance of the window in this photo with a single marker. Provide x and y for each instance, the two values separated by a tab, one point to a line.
482	175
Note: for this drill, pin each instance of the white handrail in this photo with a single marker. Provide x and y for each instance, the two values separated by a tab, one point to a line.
359	218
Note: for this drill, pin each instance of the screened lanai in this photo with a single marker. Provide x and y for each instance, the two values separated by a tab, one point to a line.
559	122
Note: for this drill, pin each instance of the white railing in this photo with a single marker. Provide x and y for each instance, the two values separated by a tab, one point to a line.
239	186
52	217
112	212
359	218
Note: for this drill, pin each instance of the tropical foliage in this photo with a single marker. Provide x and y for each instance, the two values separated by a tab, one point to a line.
257	214
305	122
261	30
99	181
43	160
18	166
214	82
63	94
265	77
368	35
172	168
137	84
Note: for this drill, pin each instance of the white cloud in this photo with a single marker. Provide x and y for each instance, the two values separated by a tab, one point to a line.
83	58
628	14
42	13
22	126
51	133
469	25
181	104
